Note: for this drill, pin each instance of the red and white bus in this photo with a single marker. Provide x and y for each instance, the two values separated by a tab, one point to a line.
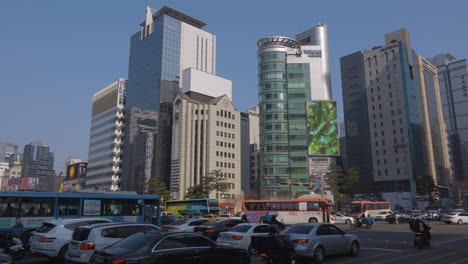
299	210
356	208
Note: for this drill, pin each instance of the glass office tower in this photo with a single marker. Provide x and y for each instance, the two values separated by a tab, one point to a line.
169	42
291	72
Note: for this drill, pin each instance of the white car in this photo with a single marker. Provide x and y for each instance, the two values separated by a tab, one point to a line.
381	215
240	235
52	238
90	238
455	218
183	225
343	219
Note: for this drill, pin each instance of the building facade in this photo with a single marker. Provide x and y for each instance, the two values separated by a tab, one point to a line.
38	161
291	72
393	90
250	143
169	42
453	78
206	138
106	137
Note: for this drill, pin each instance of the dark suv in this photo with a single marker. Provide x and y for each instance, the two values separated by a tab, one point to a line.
398	217
213	228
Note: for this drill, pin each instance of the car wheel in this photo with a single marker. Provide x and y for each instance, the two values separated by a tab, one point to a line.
319	254
460	222
63	251
313	220
354	250
348	222
252	250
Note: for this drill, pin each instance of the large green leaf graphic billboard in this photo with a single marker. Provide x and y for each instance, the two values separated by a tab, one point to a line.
322	128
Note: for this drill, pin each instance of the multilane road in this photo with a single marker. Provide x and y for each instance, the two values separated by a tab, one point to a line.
386	243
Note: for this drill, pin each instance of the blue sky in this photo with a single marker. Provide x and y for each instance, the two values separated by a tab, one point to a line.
54	55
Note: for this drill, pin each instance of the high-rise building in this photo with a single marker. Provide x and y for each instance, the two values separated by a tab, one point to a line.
250	153
291	73
106	137
206	138
394	127
169	42
38	161
453	83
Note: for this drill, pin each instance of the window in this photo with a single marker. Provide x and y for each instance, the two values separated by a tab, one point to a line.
172	242
398	171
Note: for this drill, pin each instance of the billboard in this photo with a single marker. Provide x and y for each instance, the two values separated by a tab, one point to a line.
76	171
322	128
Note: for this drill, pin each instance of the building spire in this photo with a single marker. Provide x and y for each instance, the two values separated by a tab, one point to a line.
148	27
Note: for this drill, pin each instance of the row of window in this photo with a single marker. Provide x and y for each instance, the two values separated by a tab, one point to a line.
225	134
227	175
225	124
384	152
385	172
225	154
225	165
224	113
225	144
374	59
397	160
380	105
393	123
392	113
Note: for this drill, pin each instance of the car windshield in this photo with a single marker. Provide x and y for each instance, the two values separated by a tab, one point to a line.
241	228
382	212
135	241
300	229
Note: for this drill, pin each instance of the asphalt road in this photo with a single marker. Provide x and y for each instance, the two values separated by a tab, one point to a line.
386	243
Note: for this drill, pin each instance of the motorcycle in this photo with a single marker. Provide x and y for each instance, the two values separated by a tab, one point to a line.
274	248
12	246
421	240
360	222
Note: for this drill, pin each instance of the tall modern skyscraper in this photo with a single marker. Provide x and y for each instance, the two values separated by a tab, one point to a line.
38	161
291	72
453	79
169	42
393	117
106	137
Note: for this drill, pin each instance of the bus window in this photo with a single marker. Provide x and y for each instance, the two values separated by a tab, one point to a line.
313	206
68	206
37	206
9	206
120	207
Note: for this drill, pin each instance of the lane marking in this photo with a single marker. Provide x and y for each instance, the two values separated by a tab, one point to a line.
442	256
450	241
460	261
409	256
384	249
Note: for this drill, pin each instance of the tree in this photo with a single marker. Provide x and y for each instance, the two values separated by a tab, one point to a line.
425	186
340	182
211	182
158	187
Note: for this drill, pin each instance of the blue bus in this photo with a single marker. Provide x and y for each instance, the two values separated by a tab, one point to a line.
33	208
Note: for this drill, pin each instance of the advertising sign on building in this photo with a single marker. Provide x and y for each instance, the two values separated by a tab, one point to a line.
76	171
322	128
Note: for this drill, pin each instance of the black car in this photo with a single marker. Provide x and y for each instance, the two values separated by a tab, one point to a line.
213	228
167	247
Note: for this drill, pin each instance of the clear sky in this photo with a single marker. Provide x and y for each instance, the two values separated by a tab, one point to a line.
54	55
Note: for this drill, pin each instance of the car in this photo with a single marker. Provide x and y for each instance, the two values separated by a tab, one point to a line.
184	225
51	239
166	247
211	229
318	240
228	216
456	218
381	215
240	235
87	239
343	219
397	217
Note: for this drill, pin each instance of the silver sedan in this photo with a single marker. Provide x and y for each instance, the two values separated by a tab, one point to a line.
343	219
316	241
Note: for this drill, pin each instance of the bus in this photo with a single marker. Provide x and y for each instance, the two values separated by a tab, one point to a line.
33	208
193	208
356	208
299	210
